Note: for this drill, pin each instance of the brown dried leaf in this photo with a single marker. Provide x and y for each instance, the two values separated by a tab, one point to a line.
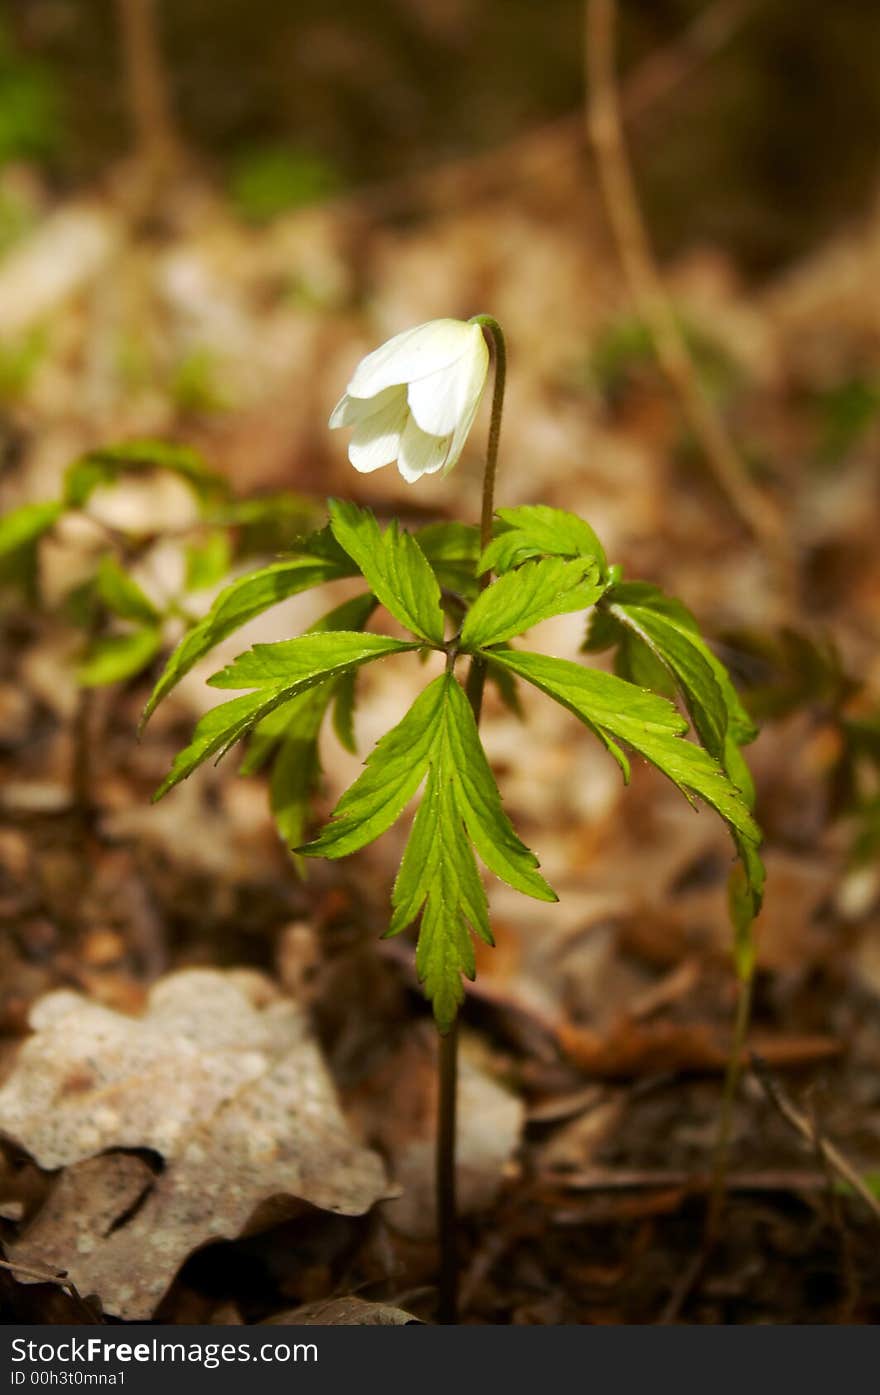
272	1137
343	1312
90	1078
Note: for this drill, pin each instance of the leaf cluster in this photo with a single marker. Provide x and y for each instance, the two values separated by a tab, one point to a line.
123	627
433	584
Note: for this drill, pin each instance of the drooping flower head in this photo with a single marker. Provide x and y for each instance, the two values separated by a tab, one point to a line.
414	399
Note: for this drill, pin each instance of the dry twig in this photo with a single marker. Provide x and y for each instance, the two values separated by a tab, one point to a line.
605	128
45	1276
829	1152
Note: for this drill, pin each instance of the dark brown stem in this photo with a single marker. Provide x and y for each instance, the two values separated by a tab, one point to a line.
447	1218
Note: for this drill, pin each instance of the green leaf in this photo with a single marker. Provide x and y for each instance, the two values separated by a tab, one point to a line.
505	685
27	524
395	567
439	877
295	776
741	905
268	524
618	711
122	595
392	773
303	661
343	711
535	530
535	591
652	629
208	561
278	672
104	466
479	802
452	550
289	718
113	658
684	654
292	731
460	811
317	560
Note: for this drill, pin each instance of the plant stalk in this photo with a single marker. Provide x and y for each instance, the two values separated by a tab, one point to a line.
728	1099
447	1215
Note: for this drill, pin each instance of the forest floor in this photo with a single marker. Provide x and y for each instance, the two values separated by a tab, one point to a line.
596	1036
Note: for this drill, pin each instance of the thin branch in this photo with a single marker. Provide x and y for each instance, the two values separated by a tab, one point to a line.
158	146
670	66
464	178
725	1125
45	1276
829	1152
605	128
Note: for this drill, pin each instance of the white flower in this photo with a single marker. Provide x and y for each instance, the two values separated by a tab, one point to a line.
414	399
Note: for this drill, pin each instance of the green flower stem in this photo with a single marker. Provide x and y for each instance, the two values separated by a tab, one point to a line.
725	1125
447	1219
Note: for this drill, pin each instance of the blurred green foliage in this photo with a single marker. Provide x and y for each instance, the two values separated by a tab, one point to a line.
19	360
30	125
195	385
846	411
275	179
625	350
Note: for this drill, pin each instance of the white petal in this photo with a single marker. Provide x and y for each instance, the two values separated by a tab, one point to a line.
351	410
439	401
413	354
376	438
420	454
461	432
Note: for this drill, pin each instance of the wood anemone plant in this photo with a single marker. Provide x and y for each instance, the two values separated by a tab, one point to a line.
466	592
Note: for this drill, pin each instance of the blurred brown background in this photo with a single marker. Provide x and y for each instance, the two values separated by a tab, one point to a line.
201	231
778	135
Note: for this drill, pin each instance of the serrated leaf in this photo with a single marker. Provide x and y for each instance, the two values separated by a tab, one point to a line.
113	658
392	773
535	530
27	524
452	549
308	659
291	733
279	672
460	811
343	711
292	716
490	830
618	711
506	687
104	466
682	652
122	595
519	599
394	566
660	615
318	559
439	876
297	768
